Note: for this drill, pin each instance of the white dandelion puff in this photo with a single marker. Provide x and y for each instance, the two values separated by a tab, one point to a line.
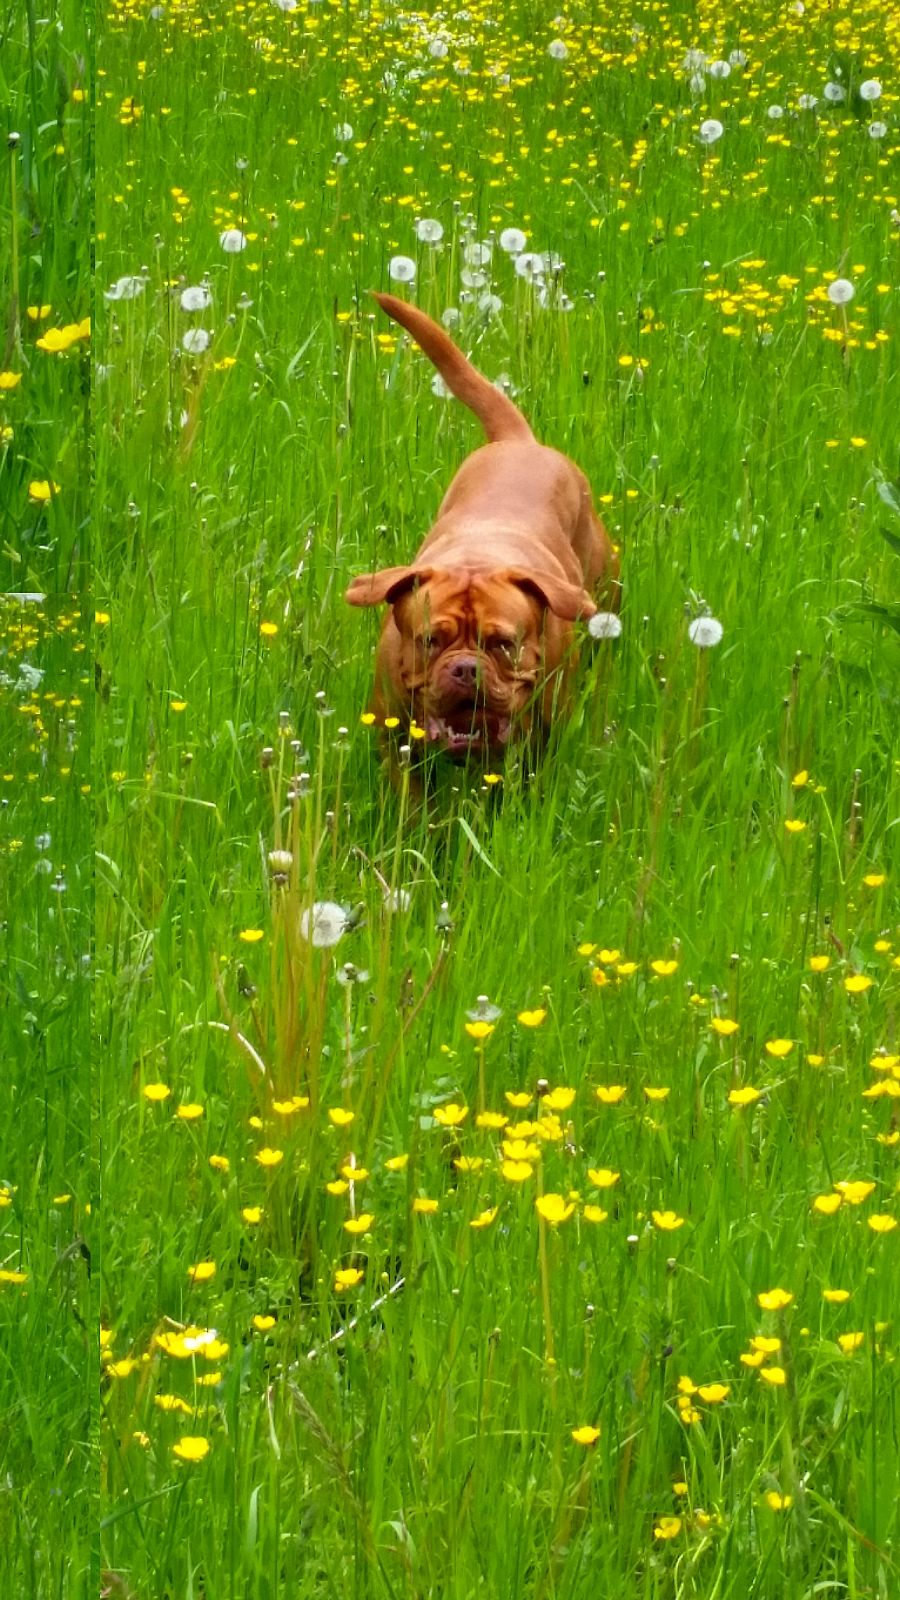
720	69
604	625
529	265
232	241
840	291
877	130
737	58
125	288
401	269
195	341
477	253
710	130
834	93
438	48
558	49
450	318
807	102
429	230
343	133
513	241
196	298
705	632
323	923
439	387
870	89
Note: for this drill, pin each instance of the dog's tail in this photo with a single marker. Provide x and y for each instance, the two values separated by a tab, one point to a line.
498	416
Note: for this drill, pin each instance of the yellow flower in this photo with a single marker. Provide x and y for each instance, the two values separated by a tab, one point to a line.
450	1116
469	1163
827	1204
779	1047
754	1358
532	1019
518	1098
586	1435
268	629
337	1186
191	1448
855	1192
189	1112
172	1402
657	1094
872	880
252	1215
40	490
609	1094
10	380
559	1099
602	1177
667	1221
267	1157
776	1376
367	718
800	779
516	1171
347	1278
723	1025
664	969
882	1223
360	1224
491	1119
598	977
424	1207
836	1297
767	1343
202	1272
251	935
744	1097
774	1299
484	1218
778	1502
339	1117
714	1393
586	949
667	1528
396	1163
156	1091
553	1208
261	1323
794	825
480	1030
857	983
819	963
850	1342
594	1214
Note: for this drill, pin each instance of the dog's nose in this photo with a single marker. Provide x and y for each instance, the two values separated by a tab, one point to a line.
463	672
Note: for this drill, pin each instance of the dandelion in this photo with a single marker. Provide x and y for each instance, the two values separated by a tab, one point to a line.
127	288
429	230
323	924
557	49
604	625
870	89
586	1435
191	1447
834	93
343	133
877	130
195	341
530	266
840	291
710	131
401	269
233	241
196	298
513	241
719	70
705	632
807	102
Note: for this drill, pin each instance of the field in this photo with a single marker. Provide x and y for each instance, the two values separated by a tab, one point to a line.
531	1230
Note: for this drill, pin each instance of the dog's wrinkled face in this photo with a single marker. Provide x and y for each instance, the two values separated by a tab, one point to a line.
473	648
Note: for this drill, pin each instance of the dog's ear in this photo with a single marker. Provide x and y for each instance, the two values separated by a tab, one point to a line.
374	588
566	600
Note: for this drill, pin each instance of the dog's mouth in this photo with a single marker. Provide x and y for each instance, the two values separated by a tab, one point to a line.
468	730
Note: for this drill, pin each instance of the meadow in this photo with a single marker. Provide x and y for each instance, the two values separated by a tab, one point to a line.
498	1194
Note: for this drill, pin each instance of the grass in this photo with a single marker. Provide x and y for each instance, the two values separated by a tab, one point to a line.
397	1408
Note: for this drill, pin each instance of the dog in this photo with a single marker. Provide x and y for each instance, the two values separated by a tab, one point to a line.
477	648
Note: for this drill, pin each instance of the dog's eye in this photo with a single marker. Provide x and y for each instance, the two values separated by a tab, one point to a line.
502	643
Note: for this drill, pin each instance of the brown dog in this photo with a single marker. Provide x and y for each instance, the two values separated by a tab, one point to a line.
477	646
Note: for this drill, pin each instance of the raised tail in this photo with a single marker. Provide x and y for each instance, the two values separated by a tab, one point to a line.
498	416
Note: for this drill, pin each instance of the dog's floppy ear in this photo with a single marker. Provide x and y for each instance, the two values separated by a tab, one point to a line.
567	601
374	588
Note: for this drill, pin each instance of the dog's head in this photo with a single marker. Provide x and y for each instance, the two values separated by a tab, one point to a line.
473	648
